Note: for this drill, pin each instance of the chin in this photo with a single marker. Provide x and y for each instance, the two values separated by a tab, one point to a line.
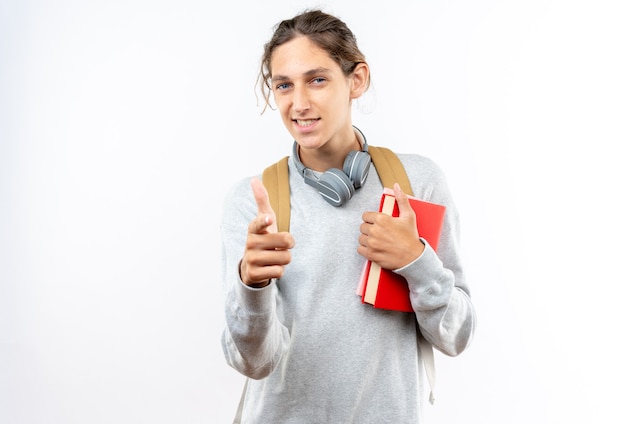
309	141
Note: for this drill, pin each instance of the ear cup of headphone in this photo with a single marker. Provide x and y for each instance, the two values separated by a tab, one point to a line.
335	187
356	166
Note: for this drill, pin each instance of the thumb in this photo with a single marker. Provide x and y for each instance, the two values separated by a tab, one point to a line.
404	207
265	211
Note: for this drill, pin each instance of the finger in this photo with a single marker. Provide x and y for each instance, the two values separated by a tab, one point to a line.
261	196
266	218
404	207
262	224
259	240
369	217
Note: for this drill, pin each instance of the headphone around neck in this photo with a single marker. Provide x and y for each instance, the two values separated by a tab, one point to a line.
337	186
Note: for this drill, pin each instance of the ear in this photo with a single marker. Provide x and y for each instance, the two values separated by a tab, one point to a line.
360	80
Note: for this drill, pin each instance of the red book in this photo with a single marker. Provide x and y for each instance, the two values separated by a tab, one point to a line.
383	288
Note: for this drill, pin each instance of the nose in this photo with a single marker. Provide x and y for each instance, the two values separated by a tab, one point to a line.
300	99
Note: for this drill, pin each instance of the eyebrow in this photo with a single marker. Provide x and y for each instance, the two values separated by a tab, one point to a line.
308	73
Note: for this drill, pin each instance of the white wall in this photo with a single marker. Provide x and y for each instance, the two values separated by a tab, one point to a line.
123	122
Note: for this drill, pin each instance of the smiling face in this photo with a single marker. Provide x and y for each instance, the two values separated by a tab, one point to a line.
314	96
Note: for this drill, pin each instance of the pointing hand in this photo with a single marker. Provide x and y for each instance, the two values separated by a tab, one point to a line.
267	251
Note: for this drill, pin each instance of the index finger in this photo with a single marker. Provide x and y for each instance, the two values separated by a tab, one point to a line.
261	196
265	212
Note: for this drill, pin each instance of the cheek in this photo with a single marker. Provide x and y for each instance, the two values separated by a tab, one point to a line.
337	101
281	104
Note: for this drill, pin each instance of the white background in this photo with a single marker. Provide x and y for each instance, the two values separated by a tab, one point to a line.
122	123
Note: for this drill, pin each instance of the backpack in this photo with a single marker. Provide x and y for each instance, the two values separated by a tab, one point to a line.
390	170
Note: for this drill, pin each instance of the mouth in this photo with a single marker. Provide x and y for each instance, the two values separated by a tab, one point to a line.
304	123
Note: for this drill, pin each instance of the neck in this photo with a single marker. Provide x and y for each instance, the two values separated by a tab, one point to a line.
331	155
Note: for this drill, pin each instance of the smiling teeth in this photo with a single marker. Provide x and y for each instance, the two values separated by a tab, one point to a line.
306	123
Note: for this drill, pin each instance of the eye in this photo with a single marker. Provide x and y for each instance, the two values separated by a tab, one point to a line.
318	81
282	86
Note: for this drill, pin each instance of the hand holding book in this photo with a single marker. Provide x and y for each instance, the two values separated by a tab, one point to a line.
379	285
391	242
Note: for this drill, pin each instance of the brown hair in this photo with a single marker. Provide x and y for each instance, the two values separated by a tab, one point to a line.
326	31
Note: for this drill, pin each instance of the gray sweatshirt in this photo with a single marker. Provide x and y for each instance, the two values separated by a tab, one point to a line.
313	351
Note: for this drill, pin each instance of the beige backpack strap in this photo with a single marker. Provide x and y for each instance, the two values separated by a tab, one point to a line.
276	181
239	412
389	168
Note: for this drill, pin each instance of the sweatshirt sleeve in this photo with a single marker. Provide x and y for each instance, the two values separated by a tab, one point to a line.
439	293
254	339
444	310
